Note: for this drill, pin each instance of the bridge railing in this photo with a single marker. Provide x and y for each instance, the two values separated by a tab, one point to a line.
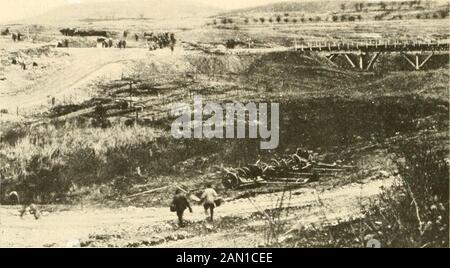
379	45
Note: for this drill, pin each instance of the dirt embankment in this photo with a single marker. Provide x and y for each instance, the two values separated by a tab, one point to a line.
65	75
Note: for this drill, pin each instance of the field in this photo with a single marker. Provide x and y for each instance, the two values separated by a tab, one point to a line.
84	129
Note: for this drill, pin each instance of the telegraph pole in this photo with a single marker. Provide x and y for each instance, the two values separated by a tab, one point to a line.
131	94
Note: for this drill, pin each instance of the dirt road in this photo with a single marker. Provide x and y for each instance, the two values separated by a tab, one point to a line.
57	228
69	82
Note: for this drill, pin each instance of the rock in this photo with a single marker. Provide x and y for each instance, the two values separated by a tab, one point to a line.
384	174
167	227
73	243
183	235
369	237
171	237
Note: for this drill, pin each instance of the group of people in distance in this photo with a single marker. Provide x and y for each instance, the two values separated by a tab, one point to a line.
180	203
16	37
153	41
160	40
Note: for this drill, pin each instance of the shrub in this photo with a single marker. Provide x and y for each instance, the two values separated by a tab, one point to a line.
415	213
12	136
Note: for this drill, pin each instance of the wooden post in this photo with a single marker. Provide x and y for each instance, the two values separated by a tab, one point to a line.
350	60
331	57
131	95
361	61
372	61
137	118
417	62
425	60
408	60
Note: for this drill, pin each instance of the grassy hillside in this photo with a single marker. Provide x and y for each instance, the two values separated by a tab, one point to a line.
335	11
324	109
327	6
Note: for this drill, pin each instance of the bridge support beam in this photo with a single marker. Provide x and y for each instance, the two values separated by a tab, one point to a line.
350	60
331	57
372	61
416	63
361	62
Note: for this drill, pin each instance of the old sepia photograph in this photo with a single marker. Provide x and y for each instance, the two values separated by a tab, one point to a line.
224	124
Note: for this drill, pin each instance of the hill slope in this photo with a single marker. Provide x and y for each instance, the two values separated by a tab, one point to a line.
153	9
330	6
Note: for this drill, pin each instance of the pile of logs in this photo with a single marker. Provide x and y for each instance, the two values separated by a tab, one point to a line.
299	168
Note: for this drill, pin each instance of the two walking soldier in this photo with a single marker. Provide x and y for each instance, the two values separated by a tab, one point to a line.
209	199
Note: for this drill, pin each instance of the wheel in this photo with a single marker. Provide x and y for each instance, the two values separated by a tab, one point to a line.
231	181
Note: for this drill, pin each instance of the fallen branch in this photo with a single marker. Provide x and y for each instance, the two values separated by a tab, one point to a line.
149	191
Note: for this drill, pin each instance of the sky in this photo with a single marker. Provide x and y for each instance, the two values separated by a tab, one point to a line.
18	9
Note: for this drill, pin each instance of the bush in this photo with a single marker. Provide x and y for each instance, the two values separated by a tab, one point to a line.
43	180
12	136
101	118
415	213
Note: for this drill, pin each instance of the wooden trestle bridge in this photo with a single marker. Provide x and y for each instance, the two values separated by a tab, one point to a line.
364	54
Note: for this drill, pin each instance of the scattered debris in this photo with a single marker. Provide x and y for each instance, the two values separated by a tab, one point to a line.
296	169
